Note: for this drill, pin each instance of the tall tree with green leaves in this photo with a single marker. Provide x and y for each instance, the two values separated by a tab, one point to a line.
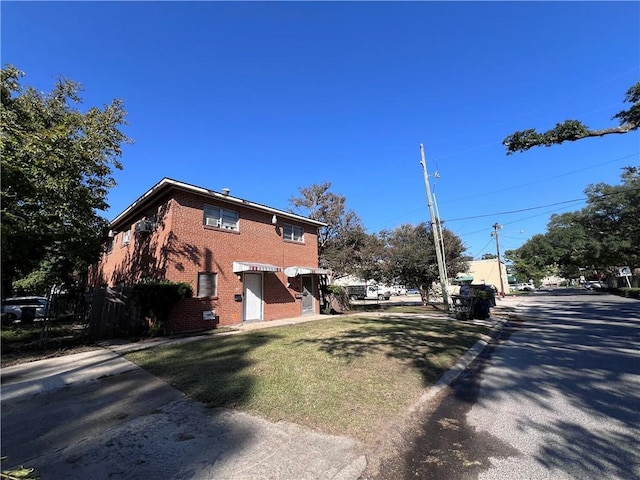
57	164
409	257
572	130
343	239
534	260
602	235
611	220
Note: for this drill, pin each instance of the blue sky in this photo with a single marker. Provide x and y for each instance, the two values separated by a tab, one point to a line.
268	97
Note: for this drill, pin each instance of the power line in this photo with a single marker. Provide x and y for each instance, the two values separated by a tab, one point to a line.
516	211
410	212
544	179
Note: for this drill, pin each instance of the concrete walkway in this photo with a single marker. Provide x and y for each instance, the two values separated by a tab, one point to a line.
160	433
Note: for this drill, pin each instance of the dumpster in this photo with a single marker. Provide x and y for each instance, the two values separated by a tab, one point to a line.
474	301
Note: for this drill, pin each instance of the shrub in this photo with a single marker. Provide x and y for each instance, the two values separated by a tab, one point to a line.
629	292
337	298
156	299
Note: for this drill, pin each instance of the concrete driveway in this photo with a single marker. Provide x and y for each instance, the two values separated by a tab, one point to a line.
96	415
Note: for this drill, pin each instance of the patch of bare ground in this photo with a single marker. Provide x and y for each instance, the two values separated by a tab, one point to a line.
398	437
18	357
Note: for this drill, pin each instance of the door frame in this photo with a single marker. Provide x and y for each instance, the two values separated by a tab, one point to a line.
260	297
312	293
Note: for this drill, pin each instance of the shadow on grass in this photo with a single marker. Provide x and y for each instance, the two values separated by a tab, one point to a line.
429	345
213	371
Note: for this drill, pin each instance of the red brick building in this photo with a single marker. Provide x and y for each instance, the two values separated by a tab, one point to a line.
244	261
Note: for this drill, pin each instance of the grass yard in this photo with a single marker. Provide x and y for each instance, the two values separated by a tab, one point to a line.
348	376
20	343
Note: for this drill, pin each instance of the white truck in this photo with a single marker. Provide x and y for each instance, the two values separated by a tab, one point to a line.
368	292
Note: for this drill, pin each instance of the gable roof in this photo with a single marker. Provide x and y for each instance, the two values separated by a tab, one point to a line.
167	184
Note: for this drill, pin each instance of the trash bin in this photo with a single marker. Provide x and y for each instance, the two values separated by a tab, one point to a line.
474	301
485	299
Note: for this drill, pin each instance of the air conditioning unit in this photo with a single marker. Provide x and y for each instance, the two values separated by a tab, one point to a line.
213	222
144	227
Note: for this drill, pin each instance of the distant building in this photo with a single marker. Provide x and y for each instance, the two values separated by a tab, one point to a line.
487	272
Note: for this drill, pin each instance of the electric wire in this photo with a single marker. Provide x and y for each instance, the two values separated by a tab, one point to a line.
516	211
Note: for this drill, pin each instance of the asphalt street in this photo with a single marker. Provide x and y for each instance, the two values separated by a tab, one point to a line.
557	396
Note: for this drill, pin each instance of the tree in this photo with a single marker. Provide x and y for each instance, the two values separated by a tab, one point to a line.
533	260
604	234
489	256
343	239
409	257
610	220
572	130
56	172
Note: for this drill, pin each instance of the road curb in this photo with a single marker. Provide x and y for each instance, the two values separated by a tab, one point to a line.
460	366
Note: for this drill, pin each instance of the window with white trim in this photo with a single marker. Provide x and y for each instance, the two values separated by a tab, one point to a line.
293	233
126	237
220	217
207	284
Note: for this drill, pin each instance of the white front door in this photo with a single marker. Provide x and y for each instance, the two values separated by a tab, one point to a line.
252	296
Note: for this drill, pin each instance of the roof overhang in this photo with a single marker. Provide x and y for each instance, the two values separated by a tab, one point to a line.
295	271
239	267
167	184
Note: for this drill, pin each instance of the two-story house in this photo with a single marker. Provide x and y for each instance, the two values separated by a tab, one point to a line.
244	261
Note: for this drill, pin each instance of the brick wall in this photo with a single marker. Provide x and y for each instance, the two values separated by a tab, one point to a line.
181	247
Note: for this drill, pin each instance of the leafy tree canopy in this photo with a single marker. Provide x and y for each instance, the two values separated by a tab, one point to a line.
409	256
571	130
343	239
604	234
56	164
611	221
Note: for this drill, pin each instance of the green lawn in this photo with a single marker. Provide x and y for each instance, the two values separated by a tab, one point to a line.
347	375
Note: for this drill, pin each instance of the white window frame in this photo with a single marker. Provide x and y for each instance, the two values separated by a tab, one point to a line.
202	291
126	237
293	233
221	218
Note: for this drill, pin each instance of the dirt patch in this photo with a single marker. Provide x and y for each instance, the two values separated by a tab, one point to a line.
25	356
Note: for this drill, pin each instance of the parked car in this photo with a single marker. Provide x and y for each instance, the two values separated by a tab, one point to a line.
594	285
526	287
24	308
413	291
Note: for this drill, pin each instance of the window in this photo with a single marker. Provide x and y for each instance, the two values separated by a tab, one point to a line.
293	233
110	245
126	236
220	217
207	284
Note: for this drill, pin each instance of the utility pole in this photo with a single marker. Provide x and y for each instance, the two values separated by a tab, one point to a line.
444	253
497	227
435	231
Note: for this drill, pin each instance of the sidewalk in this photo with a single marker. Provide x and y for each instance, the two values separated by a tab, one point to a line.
54	373
106	360
219	444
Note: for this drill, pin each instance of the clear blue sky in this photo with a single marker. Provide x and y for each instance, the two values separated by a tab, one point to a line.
264	98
